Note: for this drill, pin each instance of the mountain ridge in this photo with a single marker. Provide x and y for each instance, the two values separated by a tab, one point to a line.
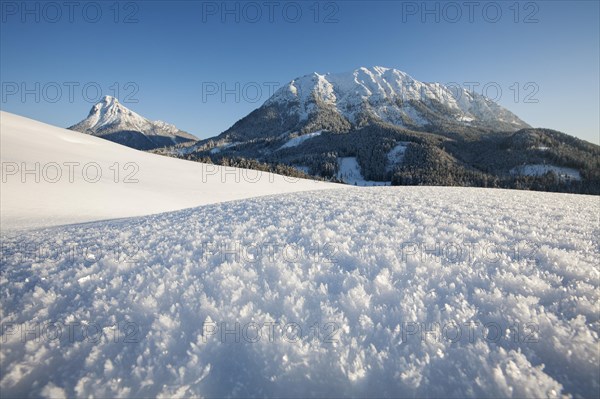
341	102
380	126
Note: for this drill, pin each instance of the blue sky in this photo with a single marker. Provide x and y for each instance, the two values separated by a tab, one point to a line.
544	56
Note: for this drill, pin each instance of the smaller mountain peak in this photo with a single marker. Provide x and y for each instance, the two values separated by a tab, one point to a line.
108	116
108	101
106	104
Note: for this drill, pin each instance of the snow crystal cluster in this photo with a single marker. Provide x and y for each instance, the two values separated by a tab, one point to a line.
371	292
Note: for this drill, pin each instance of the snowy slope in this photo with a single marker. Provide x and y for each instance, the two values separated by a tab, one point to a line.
159	298
396	155
349	172
78	178
296	141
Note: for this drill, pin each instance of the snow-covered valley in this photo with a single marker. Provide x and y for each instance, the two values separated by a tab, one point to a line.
273	288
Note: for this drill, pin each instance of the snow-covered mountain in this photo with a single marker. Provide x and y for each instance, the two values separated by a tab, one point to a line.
343	101
386	94
111	120
377	125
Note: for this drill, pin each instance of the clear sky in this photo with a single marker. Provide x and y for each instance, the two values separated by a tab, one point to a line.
198	64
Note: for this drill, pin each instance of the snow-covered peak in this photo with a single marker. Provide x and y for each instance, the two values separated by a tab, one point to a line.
109	111
362	81
109	116
386	94
108	101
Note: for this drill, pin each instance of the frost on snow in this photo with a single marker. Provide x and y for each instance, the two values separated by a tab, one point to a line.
371	292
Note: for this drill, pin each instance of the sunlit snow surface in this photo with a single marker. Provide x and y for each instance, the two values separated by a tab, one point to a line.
364	265
43	181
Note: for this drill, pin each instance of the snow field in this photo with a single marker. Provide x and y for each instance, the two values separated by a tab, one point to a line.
172	303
